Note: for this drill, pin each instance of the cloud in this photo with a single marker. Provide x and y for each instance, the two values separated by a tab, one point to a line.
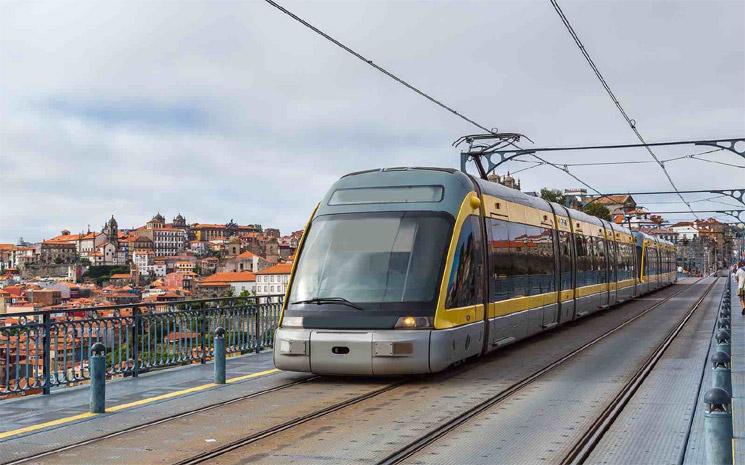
232	110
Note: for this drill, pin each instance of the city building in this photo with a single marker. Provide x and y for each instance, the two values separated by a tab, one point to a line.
210	232
238	281
54	253
273	280
507	180
663	233
180	280
6	257
623	204
245	261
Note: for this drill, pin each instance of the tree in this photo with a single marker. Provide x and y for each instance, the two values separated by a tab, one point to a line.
597	210
552	195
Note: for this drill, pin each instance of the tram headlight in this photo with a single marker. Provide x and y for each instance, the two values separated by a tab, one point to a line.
414	322
292	322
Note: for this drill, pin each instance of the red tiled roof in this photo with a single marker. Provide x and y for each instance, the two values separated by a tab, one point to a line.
247	254
228	277
280	268
611	199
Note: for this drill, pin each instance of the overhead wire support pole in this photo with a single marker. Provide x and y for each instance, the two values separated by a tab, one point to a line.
722	144
737	194
734	213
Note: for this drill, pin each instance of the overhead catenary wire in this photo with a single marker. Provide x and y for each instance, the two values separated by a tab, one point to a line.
606	86
405	83
376	66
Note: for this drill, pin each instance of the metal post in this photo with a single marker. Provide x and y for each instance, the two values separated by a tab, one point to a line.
97	366
219	355
723	341
203	336
718	427
46	349
136	325
722	373
257	338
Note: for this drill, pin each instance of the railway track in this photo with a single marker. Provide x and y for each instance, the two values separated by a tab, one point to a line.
398	456
438	432
581	450
592	436
163	420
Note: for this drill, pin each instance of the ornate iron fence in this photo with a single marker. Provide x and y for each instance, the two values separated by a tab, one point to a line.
41	350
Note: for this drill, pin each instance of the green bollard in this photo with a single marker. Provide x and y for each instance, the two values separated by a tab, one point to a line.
718	427
219	355
723	341
722	373
97	367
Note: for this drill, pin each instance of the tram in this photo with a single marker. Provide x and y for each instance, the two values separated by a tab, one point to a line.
413	270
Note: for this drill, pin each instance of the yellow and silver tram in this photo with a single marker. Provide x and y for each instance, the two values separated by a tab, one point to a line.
412	270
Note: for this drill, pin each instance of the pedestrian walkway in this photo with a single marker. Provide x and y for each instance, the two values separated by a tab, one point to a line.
738	379
31	414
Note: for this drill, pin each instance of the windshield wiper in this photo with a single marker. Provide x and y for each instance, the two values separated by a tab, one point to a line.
328	300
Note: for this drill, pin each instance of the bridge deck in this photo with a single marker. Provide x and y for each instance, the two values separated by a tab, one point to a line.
362	419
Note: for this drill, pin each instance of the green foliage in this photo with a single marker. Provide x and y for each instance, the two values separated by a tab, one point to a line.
104	271
597	210
552	195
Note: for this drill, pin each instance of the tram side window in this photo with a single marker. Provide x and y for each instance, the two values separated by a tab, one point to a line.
621	261
628	261
565	255
614	260
540	260
584	261
649	268
601	263
465	285
520	259
500	260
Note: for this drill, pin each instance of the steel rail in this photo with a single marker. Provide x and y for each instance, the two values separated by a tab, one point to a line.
255	437
450	425
159	421
209	455
206	456
592	436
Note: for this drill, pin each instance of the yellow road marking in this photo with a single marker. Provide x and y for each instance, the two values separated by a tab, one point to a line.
137	403
46	424
252	375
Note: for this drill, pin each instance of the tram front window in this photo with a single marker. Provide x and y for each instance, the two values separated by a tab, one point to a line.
373	258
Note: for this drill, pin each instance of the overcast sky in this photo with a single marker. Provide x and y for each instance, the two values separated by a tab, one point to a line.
222	110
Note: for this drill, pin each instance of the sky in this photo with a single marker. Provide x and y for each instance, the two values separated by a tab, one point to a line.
224	110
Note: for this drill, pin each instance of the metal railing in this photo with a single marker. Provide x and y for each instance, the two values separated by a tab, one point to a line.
44	349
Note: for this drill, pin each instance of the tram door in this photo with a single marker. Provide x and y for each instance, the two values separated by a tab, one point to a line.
565	269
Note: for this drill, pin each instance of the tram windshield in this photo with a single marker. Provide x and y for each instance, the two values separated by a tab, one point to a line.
373	258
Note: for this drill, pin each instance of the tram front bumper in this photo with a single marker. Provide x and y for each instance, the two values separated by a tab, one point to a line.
349	352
